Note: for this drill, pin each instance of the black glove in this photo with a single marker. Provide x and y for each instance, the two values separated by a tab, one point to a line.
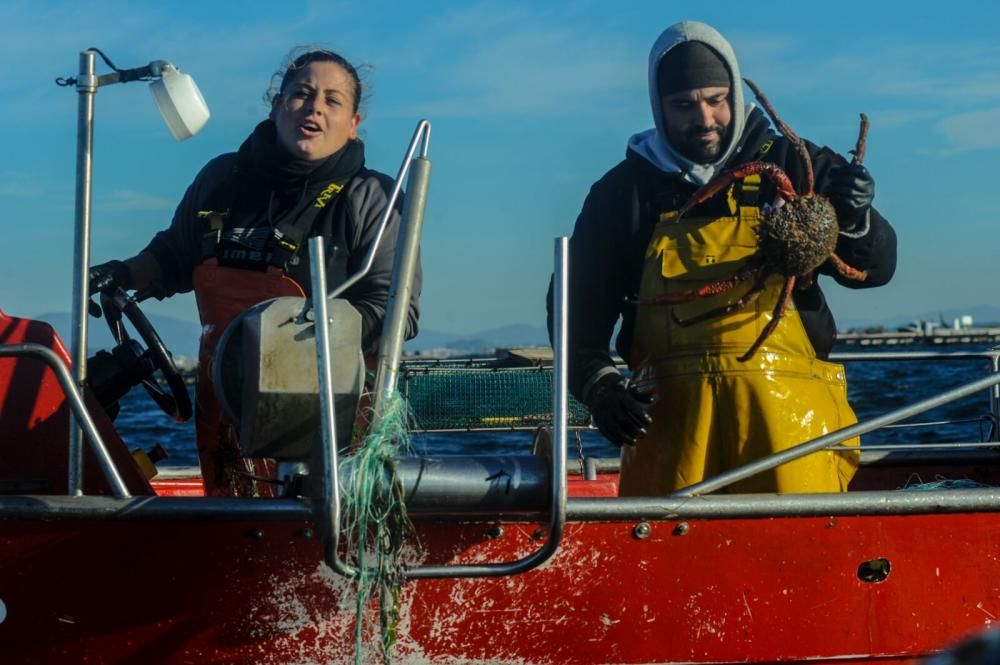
619	409
851	189
107	277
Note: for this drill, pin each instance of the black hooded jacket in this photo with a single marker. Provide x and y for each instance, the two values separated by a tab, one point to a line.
258	193
617	221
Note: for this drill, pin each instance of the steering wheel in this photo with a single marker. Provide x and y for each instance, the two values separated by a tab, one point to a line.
174	401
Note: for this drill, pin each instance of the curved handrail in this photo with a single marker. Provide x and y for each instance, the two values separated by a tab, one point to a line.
327	509
49	357
404	269
560	392
423	130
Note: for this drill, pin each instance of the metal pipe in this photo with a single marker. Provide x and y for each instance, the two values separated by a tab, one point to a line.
327	507
423	129
86	87
476	484
995	400
78	411
144	508
993	356
579	510
916	446
835	437
560	394
404	268
911	355
764	506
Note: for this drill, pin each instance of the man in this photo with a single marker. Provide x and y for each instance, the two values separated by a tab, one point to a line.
695	409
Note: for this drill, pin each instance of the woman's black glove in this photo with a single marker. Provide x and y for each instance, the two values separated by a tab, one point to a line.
619	409
851	190
107	277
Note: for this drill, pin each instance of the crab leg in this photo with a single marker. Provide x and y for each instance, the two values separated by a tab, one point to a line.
848	271
859	150
779	311
713	289
717	184
799	144
747	298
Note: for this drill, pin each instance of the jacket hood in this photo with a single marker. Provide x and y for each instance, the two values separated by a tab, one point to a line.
652	144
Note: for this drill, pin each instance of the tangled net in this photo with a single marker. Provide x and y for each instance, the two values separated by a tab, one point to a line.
375	526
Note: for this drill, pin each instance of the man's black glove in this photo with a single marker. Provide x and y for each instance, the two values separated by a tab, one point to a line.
619	409
851	190
107	277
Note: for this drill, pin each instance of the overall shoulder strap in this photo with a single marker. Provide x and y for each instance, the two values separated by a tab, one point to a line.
290	255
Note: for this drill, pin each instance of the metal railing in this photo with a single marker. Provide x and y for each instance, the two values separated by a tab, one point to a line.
414	370
328	507
577	509
558	489
78	411
992	356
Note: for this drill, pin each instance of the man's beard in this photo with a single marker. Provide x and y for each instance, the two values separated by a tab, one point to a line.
696	150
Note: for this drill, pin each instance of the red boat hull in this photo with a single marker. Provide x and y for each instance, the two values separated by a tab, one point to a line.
723	591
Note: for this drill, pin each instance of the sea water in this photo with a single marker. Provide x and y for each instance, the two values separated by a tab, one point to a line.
874	388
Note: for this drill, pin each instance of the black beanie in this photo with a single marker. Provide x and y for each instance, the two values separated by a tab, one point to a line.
691	65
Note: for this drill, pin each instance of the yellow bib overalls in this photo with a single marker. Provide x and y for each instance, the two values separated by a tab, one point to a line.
714	412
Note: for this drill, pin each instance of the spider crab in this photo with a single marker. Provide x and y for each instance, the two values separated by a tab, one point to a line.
795	237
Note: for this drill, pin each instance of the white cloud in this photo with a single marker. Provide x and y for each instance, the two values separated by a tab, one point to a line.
894	118
887	67
974	130
19	185
495	60
132	201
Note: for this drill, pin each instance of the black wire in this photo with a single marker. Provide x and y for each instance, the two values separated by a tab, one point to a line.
104	58
65	82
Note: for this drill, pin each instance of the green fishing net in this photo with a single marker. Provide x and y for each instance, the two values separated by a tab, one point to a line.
469	397
375	527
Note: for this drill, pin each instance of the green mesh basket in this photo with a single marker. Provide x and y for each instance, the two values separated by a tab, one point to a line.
471	396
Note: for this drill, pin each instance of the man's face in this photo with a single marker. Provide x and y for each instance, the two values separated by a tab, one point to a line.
697	122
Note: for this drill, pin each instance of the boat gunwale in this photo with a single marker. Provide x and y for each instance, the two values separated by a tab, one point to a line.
579	509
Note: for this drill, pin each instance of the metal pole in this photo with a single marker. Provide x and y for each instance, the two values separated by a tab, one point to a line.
328	510
560	389
405	264
86	86
995	400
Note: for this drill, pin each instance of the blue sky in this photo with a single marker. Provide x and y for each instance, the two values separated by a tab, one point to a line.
530	104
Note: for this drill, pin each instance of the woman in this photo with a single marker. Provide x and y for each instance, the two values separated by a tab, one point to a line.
239	235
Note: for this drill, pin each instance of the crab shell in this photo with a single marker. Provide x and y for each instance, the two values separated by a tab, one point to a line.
798	236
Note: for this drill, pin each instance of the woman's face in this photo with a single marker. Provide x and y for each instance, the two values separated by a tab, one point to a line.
315	114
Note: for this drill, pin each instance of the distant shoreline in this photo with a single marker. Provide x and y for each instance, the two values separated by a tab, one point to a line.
935	336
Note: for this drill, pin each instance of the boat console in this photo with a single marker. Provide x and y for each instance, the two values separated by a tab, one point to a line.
267	383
